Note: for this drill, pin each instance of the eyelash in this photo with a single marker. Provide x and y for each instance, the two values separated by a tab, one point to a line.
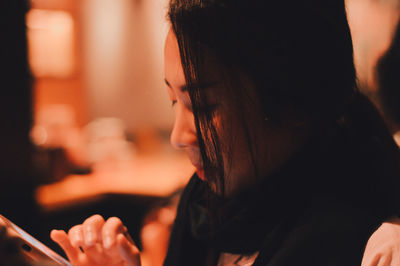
210	108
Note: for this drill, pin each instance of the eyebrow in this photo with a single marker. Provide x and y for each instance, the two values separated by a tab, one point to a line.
185	88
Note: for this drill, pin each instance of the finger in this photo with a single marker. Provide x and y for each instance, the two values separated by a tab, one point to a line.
93	247
61	238
75	235
129	252
92	230
110	230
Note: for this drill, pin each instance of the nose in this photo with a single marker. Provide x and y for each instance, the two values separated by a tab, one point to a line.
183	134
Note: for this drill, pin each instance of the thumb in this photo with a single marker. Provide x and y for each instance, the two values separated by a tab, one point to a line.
129	252
61	238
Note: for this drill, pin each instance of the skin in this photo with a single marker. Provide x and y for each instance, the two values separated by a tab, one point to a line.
107	242
103	243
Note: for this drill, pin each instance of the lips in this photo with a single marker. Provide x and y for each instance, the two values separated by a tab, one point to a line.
194	157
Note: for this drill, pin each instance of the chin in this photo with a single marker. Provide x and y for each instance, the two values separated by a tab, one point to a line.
200	174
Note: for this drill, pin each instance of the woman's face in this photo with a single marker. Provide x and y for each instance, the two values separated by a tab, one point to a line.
183	135
270	144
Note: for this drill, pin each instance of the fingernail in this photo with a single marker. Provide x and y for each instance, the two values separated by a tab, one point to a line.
107	242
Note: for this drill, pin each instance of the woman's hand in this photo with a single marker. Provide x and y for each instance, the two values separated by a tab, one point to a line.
98	242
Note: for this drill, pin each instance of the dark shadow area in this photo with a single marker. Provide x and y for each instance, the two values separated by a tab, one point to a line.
387	72
17	180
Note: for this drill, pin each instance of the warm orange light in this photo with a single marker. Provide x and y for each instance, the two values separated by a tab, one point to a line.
50	42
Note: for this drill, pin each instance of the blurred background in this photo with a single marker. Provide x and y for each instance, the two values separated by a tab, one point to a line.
86	118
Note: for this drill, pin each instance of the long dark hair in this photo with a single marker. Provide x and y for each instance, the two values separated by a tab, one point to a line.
298	55
388	79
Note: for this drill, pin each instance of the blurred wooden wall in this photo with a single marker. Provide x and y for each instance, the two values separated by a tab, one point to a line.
67	88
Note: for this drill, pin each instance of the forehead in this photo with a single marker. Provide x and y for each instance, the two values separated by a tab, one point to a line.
212	78
171	47
172	61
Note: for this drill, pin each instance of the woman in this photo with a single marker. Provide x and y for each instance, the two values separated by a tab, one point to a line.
294	165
